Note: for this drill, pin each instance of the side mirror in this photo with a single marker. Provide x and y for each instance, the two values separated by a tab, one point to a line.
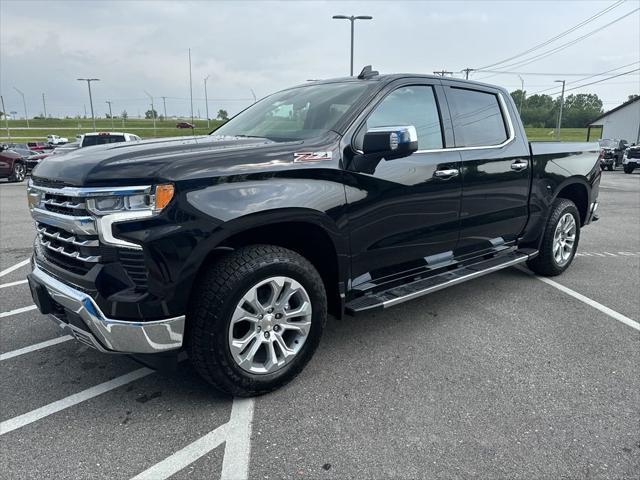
390	142
384	142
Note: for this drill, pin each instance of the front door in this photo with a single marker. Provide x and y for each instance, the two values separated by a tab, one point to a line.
405	214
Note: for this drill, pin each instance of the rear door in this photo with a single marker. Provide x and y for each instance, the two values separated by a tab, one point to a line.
495	167
405	213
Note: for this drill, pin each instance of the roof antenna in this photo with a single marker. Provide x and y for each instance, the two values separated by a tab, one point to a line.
367	72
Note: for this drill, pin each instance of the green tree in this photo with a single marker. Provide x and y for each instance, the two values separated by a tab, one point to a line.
519	98
151	114
580	109
124	114
222	115
538	111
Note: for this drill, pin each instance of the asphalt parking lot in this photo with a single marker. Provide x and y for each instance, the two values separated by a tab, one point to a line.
503	377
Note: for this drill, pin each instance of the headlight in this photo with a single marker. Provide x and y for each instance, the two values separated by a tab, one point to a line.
153	201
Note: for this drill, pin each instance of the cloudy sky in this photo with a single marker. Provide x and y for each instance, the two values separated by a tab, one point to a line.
133	46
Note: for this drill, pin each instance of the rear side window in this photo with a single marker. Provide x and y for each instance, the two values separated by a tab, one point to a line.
477	118
412	105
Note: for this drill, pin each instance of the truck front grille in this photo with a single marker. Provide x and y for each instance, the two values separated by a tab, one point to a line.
68	238
75	253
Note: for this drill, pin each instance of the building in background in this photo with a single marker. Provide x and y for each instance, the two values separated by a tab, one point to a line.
622	122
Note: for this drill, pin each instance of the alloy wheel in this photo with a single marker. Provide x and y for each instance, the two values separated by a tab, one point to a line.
270	324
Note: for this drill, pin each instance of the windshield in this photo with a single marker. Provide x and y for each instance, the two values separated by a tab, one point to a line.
296	114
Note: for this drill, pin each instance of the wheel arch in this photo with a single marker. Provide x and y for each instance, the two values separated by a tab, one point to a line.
310	233
578	192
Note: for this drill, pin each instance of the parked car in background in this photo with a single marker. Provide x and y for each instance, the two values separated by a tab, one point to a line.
38	145
184	125
611	153
103	138
12	165
631	158
69	147
34	159
56	140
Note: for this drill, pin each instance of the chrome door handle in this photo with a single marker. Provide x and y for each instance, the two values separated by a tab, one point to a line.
448	173
519	165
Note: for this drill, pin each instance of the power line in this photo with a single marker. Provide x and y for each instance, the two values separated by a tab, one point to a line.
589	76
563	46
560	35
598	81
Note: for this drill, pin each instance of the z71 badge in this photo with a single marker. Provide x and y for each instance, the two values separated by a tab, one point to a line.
311	156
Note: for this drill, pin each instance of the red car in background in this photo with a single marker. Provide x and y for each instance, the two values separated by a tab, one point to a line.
38	146
184	125
12	165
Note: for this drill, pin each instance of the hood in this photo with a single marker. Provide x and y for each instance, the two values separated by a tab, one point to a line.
168	159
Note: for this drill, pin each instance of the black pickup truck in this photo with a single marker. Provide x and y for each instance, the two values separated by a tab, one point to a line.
335	197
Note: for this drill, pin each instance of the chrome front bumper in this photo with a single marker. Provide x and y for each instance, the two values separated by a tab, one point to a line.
107	334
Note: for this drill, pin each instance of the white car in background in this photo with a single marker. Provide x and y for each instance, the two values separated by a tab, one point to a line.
56	140
102	138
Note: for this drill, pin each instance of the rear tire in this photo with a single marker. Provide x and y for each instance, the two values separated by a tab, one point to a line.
628	169
19	172
231	293
559	241
610	168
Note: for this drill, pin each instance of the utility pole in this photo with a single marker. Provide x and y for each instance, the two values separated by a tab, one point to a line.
153	113
467	71
559	124
190	87
110	113
206	99
443	72
6	118
89	80
522	96
44	105
164	104
352	19
24	104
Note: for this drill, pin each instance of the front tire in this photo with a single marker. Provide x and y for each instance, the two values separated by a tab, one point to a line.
560	240
256	319
19	172
628	169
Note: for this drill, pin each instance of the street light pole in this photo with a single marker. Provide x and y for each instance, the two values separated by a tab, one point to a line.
44	106
110	113
24	104
164	104
6	118
521	96
89	80
352	19
153	113
206	99
559	124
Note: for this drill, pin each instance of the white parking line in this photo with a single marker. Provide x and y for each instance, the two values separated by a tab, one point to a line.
592	303
42	412
235	464
15	267
13	284
237	435
186	456
34	347
17	311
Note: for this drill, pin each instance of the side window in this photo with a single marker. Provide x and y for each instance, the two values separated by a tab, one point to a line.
477	118
412	105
